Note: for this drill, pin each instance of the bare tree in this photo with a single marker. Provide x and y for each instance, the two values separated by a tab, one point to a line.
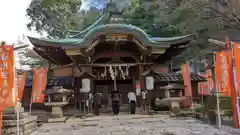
227	11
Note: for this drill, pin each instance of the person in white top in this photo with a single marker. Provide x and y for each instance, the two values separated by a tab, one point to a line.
90	99
144	93
144	100
132	102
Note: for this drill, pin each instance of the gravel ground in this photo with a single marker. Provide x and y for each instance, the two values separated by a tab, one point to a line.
118	125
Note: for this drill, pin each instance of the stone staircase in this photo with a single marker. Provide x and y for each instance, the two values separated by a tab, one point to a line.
27	124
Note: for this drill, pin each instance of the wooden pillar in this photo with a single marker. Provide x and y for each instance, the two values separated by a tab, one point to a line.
142	83
170	68
141	78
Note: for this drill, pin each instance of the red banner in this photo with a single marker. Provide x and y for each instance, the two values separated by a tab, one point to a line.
223	66
21	81
234	74
236	52
187	99
206	87
8	97
39	84
185	69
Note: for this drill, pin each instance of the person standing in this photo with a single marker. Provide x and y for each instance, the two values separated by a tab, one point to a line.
98	103
90	99
144	100
115	95
132	102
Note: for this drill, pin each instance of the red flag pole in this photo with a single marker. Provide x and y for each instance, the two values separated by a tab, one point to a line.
234	86
30	105
219	122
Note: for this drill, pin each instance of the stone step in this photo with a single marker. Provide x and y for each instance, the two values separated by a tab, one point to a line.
28	131
97	119
23	128
12	117
11	110
23	121
40	122
57	120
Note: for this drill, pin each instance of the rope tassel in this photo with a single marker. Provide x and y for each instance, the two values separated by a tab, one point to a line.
123	76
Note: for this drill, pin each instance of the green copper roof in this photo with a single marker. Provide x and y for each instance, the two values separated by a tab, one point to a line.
103	26
91	35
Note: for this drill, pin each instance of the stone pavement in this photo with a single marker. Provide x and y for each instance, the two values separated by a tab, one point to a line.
133	125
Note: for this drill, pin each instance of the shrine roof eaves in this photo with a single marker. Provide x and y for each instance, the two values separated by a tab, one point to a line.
91	35
199	50
172	77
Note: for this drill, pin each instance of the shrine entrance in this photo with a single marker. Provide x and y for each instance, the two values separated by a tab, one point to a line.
106	87
115	77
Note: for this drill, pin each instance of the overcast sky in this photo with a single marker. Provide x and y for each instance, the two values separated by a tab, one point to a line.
13	18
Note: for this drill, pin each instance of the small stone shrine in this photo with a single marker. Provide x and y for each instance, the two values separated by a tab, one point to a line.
173	96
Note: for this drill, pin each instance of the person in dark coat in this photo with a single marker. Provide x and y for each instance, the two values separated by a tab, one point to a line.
115	95
98	103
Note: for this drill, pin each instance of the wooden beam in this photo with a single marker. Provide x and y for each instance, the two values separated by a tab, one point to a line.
115	64
80	69
66	66
116	54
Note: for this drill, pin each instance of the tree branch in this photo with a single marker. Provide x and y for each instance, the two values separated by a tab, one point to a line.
224	14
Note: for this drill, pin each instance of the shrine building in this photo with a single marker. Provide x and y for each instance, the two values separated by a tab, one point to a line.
113	55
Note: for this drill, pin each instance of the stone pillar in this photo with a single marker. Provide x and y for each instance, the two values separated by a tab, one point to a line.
105	96
57	111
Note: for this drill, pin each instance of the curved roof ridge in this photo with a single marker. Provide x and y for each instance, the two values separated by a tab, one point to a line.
160	39
92	34
130	29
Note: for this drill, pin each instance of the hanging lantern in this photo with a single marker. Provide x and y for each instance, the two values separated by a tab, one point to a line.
149	83
86	85
138	88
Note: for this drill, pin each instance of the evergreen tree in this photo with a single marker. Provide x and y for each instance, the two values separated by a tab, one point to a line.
53	16
144	13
